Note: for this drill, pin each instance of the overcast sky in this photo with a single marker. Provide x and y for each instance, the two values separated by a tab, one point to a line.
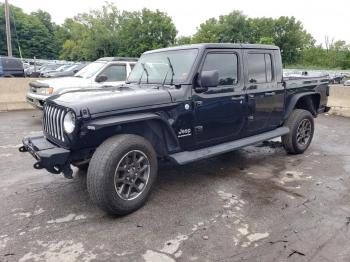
320	18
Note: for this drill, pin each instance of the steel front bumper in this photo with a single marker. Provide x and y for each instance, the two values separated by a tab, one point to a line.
49	156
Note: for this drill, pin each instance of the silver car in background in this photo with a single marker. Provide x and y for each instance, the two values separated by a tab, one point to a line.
111	71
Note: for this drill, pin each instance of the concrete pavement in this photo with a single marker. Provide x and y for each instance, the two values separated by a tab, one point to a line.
255	204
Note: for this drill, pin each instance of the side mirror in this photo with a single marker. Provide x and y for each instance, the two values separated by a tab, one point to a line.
101	78
207	79
75	71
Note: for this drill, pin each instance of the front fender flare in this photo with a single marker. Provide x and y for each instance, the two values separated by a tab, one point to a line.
133	118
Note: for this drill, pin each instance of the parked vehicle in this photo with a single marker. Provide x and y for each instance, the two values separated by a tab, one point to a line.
335	78
179	104
347	83
69	71
44	68
60	68
11	67
107	71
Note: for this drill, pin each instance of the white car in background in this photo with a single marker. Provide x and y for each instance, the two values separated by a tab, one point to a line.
106	71
347	83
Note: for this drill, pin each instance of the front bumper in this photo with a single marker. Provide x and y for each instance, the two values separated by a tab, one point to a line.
49	156
36	100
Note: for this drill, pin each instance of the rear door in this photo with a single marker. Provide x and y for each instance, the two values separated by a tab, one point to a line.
265	96
220	111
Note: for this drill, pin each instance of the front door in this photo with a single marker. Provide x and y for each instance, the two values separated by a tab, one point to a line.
116	74
265	95
220	112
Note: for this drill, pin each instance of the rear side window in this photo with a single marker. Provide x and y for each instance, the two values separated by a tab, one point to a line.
226	64
268	66
259	68
115	73
11	63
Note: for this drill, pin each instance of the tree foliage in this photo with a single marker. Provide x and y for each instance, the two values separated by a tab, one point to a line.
285	32
336	56
109	32
33	33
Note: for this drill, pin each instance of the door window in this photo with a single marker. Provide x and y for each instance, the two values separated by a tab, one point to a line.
268	66
226	64
259	68
115	73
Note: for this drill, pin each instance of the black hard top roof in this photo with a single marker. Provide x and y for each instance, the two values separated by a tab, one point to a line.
126	59
216	46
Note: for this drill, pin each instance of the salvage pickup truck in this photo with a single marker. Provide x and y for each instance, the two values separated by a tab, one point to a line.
179	104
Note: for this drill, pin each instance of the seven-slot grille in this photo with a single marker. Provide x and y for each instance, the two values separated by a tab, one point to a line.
53	121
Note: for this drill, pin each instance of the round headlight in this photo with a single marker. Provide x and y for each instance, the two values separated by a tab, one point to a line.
69	122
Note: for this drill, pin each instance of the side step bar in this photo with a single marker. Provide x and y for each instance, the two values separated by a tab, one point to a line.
185	157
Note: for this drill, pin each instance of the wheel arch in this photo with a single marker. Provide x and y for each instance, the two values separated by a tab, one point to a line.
151	126
309	101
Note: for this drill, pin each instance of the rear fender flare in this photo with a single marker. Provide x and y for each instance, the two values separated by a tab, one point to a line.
315	96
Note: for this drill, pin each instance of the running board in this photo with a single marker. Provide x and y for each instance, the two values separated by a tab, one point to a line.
185	157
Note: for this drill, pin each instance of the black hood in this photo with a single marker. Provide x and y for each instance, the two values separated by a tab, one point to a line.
113	98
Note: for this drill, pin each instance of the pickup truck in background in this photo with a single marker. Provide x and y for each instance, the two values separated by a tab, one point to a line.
106	71
179	104
11	67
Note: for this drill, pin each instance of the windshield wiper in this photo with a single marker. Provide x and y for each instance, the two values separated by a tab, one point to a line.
144	70
172	73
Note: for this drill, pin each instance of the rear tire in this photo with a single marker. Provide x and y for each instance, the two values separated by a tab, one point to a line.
121	174
301	131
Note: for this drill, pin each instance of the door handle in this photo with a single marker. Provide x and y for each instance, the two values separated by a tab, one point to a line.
252	87
270	93
237	97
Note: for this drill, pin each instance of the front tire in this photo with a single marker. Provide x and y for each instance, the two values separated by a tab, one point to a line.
121	174
301	131
82	167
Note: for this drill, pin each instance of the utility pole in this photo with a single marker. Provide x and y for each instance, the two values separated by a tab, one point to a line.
8	29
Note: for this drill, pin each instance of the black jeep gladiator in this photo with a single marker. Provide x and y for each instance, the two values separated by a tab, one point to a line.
179	104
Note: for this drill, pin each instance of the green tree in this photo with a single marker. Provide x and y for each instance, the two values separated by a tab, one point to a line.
55	45
183	40
145	30
91	35
234	28
291	38
208	32
30	33
107	32
285	32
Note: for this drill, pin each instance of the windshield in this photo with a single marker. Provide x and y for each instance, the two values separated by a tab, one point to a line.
49	67
61	68
70	68
156	66
90	70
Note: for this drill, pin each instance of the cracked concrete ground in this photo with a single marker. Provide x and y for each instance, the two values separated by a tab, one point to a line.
255	204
